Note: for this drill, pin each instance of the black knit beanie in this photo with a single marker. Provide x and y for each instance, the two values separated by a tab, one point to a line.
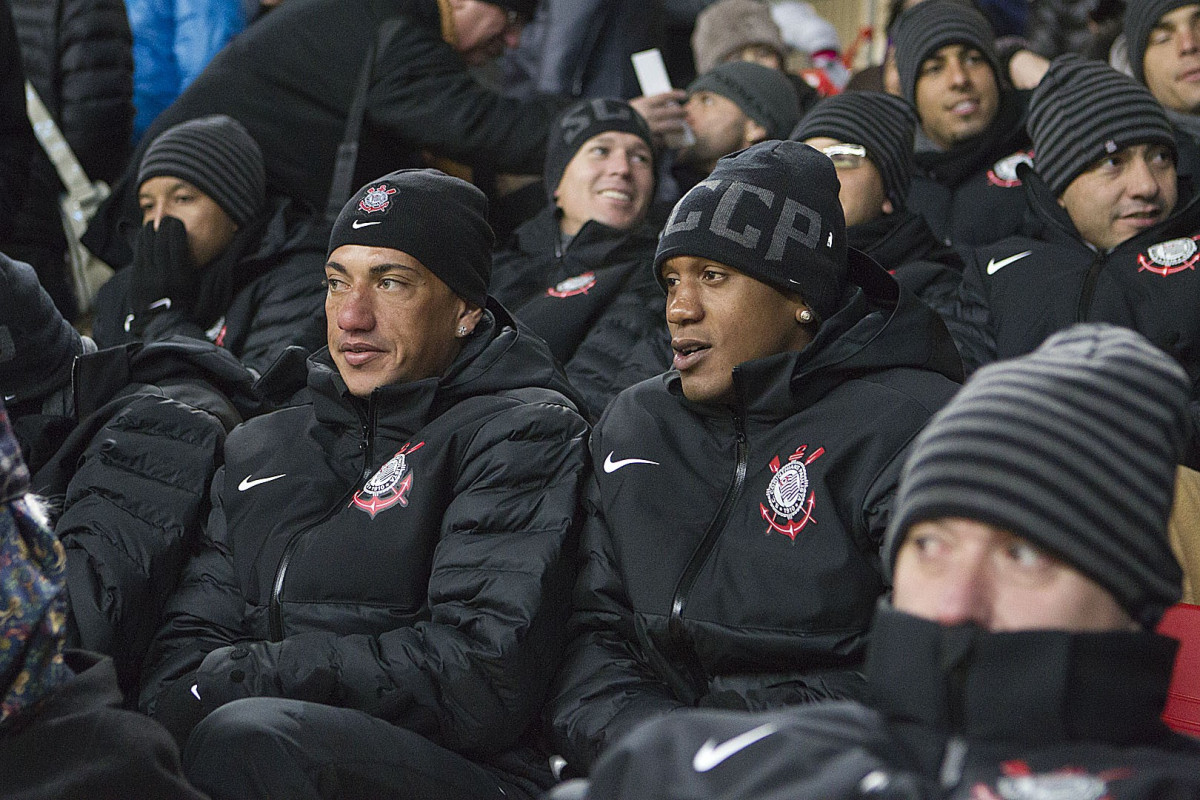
37	346
882	123
1140	18
1084	110
772	212
929	26
218	156
581	122
1072	447
763	94
439	220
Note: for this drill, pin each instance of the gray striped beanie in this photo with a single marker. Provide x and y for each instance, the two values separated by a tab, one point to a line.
218	156
1140	18
1072	447
927	27
1084	110
882	123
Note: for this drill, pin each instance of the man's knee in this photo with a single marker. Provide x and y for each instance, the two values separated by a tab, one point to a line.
248	742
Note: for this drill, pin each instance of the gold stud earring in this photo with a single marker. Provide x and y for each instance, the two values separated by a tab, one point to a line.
806	316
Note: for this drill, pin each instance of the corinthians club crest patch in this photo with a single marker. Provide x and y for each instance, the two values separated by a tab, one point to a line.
389	485
1004	172
789	496
377	198
573	286
1171	256
1019	782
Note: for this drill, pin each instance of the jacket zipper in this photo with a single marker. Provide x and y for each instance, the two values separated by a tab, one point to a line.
681	643
275	617
1089	288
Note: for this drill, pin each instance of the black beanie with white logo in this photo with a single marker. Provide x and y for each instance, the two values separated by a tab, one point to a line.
772	212
1072	447
580	122
927	27
439	220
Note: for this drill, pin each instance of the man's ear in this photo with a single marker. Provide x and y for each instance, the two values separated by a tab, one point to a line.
469	315
753	133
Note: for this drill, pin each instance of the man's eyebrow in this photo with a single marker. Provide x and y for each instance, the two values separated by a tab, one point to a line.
375	271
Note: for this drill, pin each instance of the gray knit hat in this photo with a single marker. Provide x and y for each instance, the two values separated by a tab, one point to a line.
772	212
218	156
727	26
763	94
1084	110
882	123
1140	18
1072	447
437	219
929	26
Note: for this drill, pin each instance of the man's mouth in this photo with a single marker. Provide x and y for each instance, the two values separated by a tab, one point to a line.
688	353
358	353
616	194
965	107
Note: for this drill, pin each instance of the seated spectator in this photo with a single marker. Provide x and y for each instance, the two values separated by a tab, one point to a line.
869	137
972	125
1163	45
739	501
216	258
1017	658
1115	241
380	596
579	273
62	733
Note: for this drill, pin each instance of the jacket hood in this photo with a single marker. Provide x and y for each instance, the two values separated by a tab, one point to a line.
502	356
605	244
896	238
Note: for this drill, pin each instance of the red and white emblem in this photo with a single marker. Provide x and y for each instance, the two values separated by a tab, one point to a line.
376	198
1004	172
789	494
1171	256
573	286
1019	782
388	486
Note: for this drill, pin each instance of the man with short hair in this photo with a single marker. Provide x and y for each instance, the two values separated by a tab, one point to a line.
379	596
869	138
1114	241
1017	657
738	502
971	134
579	273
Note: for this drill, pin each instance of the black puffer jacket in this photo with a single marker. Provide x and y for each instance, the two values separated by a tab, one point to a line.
1023	715
278	299
407	555
130	482
596	303
290	79
905	246
970	194
732	553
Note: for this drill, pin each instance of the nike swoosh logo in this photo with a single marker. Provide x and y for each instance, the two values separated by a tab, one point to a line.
613	466
711	754
163	303
356	224
995	266
250	484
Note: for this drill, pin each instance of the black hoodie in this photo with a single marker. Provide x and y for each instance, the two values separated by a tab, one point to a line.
733	552
904	245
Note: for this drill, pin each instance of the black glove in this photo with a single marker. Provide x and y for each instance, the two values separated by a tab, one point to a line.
179	708
163	277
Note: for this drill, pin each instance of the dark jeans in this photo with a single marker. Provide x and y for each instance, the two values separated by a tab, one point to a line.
266	747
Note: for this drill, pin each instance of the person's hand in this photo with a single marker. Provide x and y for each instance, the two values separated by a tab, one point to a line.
163	277
1026	69
663	113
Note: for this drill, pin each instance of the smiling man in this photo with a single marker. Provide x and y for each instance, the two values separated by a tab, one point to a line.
971	133
383	581
578	273
1114	239
739	500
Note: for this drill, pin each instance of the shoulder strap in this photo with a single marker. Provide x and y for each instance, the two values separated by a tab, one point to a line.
70	171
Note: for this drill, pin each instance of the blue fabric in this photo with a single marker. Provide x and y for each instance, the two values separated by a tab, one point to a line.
173	40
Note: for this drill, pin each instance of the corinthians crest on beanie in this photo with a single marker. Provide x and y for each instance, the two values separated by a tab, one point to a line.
772	212
439	220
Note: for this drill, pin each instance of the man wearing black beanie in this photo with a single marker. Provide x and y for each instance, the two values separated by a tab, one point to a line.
1017	657
739	500
1115	232
381	591
972	132
1163	37
869	138
578	273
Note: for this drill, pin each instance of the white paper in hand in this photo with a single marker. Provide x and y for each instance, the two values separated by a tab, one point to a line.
653	79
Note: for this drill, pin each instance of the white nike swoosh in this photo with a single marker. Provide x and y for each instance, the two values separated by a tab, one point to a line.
249	484
711	754
196	690
163	303
995	266
613	466
356	224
